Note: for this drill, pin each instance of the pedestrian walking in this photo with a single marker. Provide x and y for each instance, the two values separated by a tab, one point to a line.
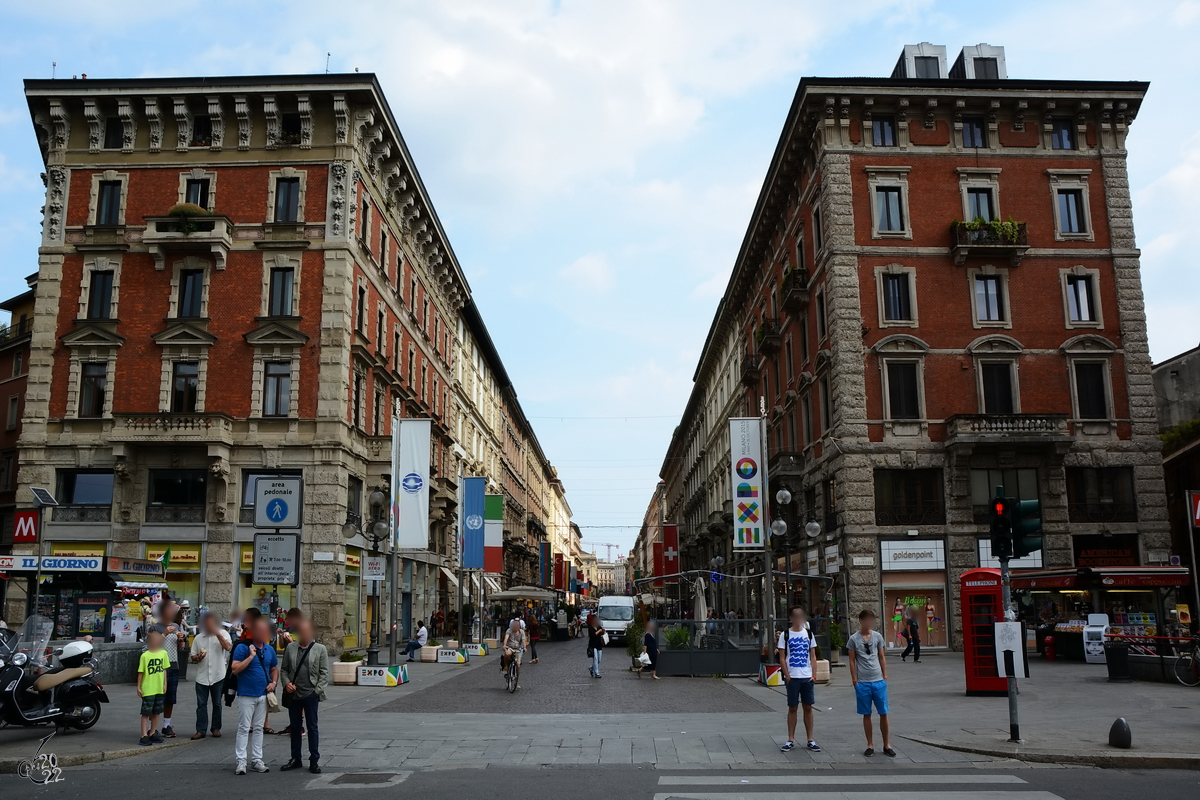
305	676
650	646
172	634
912	633
534	635
210	652
596	636
419	640
868	675
151	686
796	657
257	670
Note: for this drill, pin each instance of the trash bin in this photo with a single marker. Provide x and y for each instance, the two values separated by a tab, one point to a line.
1048	648
1116	656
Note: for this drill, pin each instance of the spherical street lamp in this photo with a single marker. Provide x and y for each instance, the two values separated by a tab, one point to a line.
813	529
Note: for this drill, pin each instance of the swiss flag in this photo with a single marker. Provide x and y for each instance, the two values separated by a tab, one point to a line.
25	526
670	549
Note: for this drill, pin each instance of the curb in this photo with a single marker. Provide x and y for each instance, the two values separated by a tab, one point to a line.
9	765
1105	760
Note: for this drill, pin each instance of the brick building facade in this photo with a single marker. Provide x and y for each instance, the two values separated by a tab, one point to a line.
910	356
174	359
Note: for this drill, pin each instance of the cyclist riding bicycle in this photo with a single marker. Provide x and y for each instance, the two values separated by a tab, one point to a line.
513	647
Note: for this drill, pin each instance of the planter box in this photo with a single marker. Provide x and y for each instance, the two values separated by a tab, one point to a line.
428	654
345	673
821	671
492	644
708	662
450	644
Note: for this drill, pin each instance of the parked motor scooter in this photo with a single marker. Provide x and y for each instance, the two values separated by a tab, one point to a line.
33	692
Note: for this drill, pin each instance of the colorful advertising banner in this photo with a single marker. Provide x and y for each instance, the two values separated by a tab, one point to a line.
410	483
472	516
493	533
558	571
745	445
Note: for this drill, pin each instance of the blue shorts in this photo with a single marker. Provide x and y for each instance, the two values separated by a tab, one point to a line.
801	690
871	692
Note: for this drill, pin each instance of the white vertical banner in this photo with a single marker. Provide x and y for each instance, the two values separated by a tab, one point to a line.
745	450
410	482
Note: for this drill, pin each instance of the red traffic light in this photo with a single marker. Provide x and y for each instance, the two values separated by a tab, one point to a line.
998	508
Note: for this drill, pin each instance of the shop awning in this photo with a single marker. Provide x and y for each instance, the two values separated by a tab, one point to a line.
1101	578
450	576
492	583
145	585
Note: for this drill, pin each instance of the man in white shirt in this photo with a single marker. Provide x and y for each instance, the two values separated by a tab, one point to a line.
796	657
209	650
418	641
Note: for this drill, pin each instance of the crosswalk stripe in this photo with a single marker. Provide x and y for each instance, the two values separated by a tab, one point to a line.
957	795
825	780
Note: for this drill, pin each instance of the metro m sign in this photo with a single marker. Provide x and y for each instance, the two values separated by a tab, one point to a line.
25	527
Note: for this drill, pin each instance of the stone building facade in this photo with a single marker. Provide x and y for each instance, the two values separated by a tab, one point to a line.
910	356
176	359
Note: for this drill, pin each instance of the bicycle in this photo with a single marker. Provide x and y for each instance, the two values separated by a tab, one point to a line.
510	674
1187	666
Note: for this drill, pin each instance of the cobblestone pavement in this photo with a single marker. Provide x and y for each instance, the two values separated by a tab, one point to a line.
560	684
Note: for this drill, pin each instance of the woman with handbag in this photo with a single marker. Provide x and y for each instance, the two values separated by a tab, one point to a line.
650	648
597	638
305	676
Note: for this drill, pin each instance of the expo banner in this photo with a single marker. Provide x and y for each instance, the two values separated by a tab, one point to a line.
410	483
745	445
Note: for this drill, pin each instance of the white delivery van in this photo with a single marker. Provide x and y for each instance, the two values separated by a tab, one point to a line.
616	612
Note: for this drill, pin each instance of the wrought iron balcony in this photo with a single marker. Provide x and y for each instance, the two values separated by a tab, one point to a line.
768	337
750	370
911	514
987	243
172	428
794	294
1008	427
204	234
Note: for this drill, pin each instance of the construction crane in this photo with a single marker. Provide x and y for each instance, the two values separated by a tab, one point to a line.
603	544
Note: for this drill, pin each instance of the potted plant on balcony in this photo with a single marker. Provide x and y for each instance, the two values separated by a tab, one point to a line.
1001	231
186	214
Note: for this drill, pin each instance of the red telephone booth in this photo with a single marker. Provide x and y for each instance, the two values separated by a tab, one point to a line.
981	609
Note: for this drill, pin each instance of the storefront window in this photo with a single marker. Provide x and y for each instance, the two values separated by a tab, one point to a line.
914	585
183	568
928	605
353	598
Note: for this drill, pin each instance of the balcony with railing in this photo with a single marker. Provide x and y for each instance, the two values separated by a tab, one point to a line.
1034	428
910	514
794	293
767	336
1102	511
1008	240
750	370
82	513
211	234
19	329
172	428
177	514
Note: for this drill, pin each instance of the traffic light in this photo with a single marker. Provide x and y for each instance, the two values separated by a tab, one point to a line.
1002	527
1026	526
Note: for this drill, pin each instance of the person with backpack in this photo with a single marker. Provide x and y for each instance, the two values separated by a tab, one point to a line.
257	671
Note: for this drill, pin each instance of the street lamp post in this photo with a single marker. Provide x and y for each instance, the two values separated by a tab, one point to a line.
717	563
377	530
779	527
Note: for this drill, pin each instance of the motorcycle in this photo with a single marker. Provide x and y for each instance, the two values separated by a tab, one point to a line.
33	692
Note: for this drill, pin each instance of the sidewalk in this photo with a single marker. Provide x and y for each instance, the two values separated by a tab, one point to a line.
1066	711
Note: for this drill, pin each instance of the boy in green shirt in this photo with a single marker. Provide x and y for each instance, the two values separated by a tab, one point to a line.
152	686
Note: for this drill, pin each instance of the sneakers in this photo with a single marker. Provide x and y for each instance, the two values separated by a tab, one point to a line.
240	769
813	747
787	746
156	738
259	766
168	732
145	741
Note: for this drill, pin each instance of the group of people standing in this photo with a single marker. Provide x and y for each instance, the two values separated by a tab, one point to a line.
237	665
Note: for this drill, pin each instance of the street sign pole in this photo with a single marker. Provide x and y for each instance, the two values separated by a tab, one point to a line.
768	555
1192	498
1014	727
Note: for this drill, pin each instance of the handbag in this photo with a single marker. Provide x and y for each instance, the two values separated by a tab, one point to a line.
605	637
287	696
272	700
644	659
591	651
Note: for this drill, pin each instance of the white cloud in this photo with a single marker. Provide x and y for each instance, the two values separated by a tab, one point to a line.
591	272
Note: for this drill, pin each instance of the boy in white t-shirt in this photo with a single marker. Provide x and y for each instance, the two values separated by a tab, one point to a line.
796	659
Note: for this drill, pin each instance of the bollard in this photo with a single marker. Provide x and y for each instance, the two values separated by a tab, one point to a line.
1119	734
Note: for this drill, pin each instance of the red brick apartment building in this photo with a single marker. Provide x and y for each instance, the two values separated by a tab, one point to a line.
911	356
174	359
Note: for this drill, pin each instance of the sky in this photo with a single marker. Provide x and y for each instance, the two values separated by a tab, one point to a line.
595	164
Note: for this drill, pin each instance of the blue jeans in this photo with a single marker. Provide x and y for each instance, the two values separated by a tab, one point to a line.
596	660
412	647
205	694
308	707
